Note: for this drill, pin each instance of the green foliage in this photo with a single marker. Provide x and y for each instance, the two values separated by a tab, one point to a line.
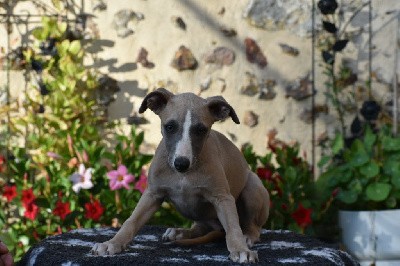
65	94
66	146
332	41
289	180
366	174
53	184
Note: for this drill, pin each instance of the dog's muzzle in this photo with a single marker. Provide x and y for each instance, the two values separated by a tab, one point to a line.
181	164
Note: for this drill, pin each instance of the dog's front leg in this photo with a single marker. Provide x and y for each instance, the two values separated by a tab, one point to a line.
146	207
235	241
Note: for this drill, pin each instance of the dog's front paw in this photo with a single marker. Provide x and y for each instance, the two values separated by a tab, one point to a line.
244	256
107	248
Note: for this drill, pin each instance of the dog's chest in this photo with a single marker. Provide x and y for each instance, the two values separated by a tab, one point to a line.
189	201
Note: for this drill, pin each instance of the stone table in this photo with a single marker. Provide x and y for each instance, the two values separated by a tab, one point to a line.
276	248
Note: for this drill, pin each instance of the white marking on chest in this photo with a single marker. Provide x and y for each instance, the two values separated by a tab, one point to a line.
184	145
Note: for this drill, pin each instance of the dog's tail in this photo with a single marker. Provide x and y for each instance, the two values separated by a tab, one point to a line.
212	236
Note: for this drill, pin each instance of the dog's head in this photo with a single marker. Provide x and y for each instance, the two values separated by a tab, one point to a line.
186	120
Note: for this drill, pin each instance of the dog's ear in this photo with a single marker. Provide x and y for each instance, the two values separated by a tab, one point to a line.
156	100
220	109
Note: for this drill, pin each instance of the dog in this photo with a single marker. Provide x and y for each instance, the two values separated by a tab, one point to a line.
203	174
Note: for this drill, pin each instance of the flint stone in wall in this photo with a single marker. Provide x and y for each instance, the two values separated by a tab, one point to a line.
250	119
294	15
184	59
99	5
121	20
289	50
250	88
300	89
142	59
267	91
306	115
254	54
220	56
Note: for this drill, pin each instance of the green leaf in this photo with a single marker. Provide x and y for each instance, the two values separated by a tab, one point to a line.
396	194
370	169
69	219
42	202
378	191
338	144
391	202
391	167
62	27
345	176
74	47
290	174
390	144
71	68
356	186
39	33
324	160
358	155
347	196
369	139
8	238
396	181
139	139
63	47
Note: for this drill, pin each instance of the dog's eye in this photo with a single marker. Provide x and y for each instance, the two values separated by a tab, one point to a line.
170	127
199	129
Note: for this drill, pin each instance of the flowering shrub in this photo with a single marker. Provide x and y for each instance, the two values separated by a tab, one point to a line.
86	185
67	175
289	180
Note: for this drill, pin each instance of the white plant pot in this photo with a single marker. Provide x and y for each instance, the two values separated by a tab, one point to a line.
372	236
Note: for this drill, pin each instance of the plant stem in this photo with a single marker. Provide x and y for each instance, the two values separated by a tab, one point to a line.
118	201
336	101
395	93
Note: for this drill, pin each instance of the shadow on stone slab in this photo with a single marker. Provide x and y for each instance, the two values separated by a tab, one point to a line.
276	248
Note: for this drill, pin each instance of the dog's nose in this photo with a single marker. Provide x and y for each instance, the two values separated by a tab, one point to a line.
181	164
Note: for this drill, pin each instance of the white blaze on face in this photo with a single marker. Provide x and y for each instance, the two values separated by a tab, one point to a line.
184	145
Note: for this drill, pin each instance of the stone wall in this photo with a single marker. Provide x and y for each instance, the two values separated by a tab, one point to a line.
269	89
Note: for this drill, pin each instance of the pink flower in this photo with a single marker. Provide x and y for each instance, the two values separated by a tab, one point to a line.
53	155
82	178
141	184
120	178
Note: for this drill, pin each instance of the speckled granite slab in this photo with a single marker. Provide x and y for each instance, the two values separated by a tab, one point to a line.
275	248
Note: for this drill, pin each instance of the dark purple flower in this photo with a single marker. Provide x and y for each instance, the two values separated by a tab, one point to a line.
327	6
370	110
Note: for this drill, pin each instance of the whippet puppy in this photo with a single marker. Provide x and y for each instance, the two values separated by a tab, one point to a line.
202	173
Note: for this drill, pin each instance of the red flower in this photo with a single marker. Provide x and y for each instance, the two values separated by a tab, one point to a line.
10	192
94	210
31	210
302	216
27	196
36	235
62	209
264	173
2	163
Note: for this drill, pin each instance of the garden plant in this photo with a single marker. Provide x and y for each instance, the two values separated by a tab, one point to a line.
68	174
